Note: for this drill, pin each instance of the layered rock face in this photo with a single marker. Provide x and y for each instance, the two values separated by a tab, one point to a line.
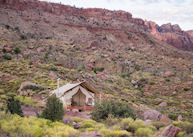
172	34
190	32
97	19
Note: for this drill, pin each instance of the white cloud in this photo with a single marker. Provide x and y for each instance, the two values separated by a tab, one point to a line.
161	11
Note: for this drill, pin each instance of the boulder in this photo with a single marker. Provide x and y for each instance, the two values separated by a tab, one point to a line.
163	104
155	115
26	88
170	131
180	118
152	115
7	49
76	125
53	75
40	49
168	74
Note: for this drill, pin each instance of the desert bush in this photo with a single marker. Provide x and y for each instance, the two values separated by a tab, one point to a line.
23	37
2	91
18	126
125	75
126	123
54	110
115	133
173	116
137	124
53	68
25	100
7	56
111	107
17	50
58	129
185	126
98	69
144	132
131	125
111	120
182	134
77	119
90	125
14	106
158	125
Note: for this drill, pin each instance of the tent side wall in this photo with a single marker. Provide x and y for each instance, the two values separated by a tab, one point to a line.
67	97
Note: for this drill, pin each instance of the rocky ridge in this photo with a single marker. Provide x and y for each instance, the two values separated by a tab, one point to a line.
102	18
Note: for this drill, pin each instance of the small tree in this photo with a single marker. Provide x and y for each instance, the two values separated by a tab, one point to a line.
17	51
54	110
112	107
14	106
7	56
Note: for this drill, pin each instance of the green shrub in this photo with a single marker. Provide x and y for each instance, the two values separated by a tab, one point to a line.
2	91
98	69
158	125
136	125
53	68
88	124
17	50
17	126
144	132
111	107
131	125
111	120
173	116
13	106
58	129
25	100
182	134
125	75
23	37
185	126
7	56
115	133
54	110
126	123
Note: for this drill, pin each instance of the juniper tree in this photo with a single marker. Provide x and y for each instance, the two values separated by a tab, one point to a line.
54	110
14	106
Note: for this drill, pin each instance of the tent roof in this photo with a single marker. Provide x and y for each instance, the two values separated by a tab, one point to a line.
70	86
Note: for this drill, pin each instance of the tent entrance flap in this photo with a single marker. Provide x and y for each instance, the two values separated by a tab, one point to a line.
78	99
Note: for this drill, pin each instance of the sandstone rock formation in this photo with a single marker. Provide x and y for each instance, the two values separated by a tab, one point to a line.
170	131
155	116
171	34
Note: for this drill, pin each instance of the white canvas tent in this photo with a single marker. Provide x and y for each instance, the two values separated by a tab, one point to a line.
78	94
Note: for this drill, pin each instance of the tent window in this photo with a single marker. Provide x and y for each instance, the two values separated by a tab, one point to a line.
90	101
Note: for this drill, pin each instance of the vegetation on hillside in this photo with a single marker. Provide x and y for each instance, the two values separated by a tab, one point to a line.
112	108
15	125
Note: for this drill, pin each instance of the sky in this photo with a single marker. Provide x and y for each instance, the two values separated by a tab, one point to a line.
161	11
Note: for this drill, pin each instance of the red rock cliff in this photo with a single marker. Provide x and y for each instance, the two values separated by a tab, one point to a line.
171	34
